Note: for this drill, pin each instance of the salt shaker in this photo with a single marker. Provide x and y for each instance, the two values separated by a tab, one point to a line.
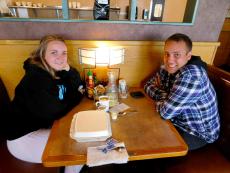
123	91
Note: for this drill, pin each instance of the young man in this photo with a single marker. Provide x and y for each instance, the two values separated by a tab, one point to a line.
184	94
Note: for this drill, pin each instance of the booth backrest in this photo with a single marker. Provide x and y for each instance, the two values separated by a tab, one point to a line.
221	82
4	105
142	58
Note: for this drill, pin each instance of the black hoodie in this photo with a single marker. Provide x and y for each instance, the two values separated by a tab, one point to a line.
196	60
36	103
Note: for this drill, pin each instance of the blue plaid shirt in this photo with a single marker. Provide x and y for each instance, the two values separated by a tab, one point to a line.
188	99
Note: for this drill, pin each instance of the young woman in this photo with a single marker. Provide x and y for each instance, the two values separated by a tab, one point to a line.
49	89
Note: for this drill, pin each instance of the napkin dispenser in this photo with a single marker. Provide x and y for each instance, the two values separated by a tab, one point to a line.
89	126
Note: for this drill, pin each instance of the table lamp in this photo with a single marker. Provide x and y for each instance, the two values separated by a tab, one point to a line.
106	56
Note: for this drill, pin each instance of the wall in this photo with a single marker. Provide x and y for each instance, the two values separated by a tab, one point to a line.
208	24
169	11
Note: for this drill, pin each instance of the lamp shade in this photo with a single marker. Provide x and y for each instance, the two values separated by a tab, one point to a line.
87	56
101	56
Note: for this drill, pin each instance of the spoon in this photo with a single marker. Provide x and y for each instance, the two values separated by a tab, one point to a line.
126	112
122	113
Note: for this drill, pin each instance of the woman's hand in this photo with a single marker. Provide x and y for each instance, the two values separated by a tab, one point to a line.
66	67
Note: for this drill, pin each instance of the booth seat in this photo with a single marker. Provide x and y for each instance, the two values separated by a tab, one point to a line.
9	163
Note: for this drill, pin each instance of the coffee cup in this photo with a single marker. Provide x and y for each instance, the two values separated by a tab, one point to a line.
78	5
74	4
18	3
23	3
103	103
29	4
39	4
70	4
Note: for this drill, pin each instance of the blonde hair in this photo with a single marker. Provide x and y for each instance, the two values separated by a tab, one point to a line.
37	57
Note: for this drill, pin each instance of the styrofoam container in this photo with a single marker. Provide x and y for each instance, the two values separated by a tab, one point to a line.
92	125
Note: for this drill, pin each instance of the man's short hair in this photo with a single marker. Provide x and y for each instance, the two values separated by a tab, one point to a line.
181	37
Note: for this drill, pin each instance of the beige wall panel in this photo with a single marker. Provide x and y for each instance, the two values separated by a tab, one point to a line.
205	51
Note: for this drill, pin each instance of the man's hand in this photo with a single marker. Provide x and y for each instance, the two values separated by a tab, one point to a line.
157	81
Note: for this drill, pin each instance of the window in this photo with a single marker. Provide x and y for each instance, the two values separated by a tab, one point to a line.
120	11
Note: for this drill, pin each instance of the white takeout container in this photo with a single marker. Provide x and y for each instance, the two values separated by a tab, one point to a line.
92	125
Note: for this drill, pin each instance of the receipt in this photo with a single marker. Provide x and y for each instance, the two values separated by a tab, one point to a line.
119	108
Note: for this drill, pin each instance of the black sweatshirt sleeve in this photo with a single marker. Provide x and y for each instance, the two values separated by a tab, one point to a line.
37	98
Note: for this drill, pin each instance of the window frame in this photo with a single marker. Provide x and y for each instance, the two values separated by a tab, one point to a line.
133	3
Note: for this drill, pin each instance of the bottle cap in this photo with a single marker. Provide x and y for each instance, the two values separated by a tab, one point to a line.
89	73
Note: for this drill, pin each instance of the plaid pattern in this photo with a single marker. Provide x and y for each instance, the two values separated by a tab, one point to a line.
188	99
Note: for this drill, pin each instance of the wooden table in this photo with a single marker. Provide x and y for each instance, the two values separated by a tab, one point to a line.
144	133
